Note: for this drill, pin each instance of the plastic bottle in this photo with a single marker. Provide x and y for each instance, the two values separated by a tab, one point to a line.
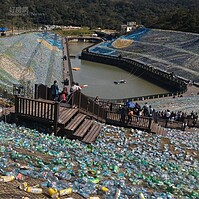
6	178
23	186
34	190
95	180
56	194
53	193
102	188
118	192
19	177
65	191
141	196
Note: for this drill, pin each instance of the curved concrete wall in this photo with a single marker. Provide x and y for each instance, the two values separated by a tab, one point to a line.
162	78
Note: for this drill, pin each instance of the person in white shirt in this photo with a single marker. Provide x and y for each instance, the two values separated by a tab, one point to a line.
75	87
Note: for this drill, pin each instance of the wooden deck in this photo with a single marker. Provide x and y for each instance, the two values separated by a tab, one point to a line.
67	121
75	123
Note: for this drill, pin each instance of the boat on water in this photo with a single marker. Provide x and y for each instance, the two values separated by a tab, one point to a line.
121	81
76	68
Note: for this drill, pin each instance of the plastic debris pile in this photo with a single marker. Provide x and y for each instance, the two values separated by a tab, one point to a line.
185	104
31	58
158	48
120	164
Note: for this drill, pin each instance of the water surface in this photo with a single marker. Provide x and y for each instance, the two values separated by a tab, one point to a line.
100	78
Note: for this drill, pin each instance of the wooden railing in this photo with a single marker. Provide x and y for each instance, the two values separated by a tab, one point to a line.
83	102
178	124
89	106
43	110
138	122
170	124
66	52
48	111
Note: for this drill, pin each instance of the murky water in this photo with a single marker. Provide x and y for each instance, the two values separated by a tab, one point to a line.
100	78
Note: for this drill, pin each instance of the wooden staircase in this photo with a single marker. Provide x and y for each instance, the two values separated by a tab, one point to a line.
76	125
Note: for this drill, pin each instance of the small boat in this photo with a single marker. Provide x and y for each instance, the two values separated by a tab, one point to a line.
76	68
83	86
121	81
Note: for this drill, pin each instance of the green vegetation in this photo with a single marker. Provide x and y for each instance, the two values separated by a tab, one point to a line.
165	14
82	31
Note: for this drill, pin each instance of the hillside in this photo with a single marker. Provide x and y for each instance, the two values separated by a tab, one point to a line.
133	161
171	51
165	14
31	57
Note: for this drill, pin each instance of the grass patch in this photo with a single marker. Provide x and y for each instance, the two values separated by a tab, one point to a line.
76	32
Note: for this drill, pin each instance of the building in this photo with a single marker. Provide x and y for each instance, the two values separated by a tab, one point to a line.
129	26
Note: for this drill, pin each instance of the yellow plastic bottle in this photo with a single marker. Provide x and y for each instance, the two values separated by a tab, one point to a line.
64	192
23	186
102	188
6	178
34	190
53	193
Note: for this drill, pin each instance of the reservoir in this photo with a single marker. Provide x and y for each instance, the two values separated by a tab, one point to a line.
100	78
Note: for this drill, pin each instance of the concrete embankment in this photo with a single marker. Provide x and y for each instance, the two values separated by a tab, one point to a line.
169	81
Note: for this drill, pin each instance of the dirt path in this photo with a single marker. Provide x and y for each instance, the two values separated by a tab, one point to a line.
191	90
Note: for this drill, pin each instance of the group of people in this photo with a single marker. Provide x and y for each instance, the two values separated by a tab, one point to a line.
135	109
178	116
64	96
130	109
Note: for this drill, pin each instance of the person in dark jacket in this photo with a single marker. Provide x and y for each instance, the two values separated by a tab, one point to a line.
55	91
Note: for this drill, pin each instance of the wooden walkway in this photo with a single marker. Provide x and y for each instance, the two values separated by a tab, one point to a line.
73	123
142	123
79	122
67	121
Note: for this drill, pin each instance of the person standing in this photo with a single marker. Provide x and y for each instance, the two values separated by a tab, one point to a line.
55	91
130	115
122	114
64	95
96	100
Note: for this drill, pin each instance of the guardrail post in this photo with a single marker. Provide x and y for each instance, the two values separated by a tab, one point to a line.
166	123
79	99
94	104
98	111
150	122
36	91
56	116
16	107
88	102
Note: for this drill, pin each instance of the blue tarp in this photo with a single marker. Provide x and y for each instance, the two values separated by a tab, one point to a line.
136	34
3	29
130	104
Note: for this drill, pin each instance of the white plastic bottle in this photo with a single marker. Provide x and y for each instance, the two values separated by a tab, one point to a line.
118	192
6	178
141	196
35	190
